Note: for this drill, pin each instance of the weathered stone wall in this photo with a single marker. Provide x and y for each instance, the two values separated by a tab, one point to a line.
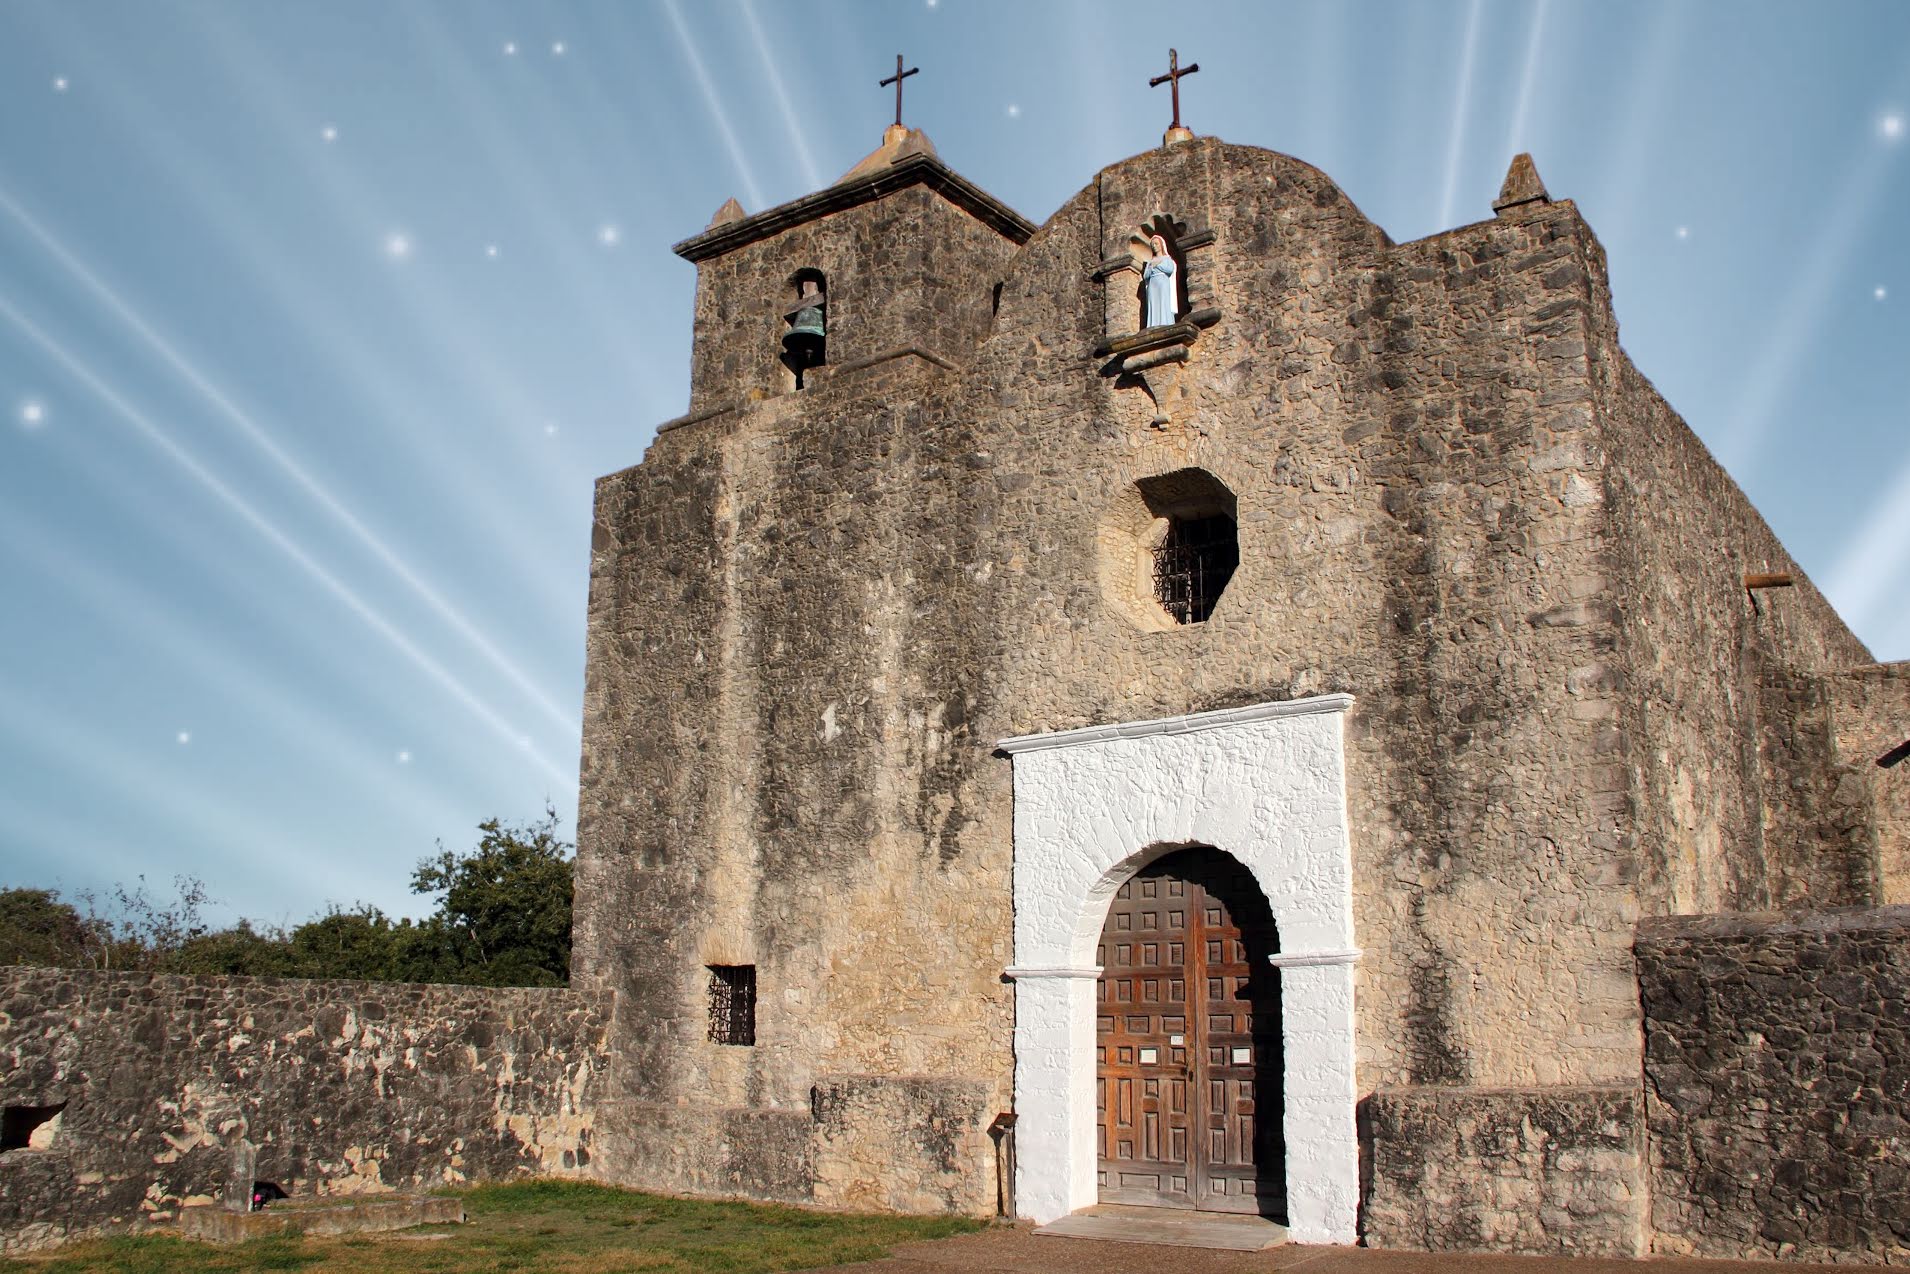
1870	709
812	616
341	1086
1836	808
783	656
1777	1070
1409	534
1552	1170
1699	649
1819	831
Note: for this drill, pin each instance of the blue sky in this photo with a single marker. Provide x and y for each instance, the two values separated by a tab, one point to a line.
317	322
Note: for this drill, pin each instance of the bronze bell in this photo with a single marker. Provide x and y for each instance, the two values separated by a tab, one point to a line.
803	340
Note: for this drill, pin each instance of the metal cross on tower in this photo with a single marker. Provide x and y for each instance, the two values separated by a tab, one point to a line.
1174	71
896	80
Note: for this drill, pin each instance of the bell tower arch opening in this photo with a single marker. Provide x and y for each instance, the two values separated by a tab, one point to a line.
806	320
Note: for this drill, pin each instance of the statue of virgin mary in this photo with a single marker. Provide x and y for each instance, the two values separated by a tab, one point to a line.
1157	284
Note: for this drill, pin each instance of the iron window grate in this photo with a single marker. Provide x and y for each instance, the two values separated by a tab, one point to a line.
733	1003
1193	564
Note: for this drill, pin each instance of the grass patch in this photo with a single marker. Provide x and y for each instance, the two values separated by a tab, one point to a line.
540	1227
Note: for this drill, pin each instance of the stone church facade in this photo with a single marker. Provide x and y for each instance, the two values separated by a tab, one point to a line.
1030	759
1346	754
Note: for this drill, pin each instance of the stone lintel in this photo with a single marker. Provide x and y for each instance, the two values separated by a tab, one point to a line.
890	355
1189	723
830	374
1133	364
1146	339
1020	974
1313	959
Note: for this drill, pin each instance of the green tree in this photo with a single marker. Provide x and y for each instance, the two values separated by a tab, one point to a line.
502	919
37	928
504	907
344	944
238	950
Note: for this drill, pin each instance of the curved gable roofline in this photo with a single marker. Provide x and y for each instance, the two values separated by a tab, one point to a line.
1260	156
917	168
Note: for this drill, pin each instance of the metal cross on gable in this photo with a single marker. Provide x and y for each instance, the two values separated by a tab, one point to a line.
896	80
1174	71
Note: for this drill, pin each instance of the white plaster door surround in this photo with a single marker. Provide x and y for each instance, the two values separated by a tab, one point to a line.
1265	783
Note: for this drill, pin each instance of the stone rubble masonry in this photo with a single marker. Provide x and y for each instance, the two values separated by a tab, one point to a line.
343	1087
1836	788
320	1217
1777	1069
812	613
1697	649
1870	715
1555	1170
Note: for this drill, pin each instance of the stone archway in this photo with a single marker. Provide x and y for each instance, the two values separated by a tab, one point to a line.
1092	807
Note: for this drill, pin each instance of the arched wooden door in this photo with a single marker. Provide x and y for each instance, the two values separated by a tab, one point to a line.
1188	1041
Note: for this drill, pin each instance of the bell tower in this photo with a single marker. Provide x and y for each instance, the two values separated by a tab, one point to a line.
900	255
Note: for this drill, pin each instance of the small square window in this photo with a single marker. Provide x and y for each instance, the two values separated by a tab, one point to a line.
733	1003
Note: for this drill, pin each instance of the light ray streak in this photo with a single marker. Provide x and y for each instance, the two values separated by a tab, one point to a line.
368	378
1815	285
120	601
1644	115
1092	98
48	731
160	439
810	172
1325	73
1866	574
301	302
1462	104
259	437
39	839
443	324
1515	139
1801	313
581	267
708	88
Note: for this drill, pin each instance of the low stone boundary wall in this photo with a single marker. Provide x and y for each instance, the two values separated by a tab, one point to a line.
1777	1066
1554	1170
340	1086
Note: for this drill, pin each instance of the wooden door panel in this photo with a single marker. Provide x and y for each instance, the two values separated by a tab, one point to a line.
1239	1159
1143	998
1181	1122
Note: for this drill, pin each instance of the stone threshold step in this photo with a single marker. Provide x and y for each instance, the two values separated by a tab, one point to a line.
1126	1223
